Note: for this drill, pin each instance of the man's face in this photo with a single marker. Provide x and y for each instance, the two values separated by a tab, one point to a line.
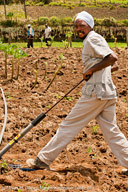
82	28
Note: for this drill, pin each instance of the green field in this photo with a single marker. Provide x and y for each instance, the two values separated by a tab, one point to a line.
74	44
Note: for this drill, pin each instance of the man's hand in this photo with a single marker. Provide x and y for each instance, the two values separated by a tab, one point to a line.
114	67
87	75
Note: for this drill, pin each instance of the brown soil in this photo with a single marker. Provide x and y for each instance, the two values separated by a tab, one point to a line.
48	11
77	167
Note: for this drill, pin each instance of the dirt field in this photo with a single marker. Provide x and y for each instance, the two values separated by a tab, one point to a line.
48	11
87	164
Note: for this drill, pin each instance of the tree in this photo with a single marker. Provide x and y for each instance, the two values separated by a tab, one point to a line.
25	11
5	9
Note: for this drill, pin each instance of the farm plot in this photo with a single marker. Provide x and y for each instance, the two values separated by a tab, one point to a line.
87	164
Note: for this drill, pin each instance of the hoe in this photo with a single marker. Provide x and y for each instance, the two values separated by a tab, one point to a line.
32	124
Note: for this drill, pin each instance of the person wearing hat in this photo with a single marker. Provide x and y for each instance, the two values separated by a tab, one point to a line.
30	34
47	34
98	99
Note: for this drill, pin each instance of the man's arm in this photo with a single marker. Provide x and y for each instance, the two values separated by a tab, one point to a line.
107	61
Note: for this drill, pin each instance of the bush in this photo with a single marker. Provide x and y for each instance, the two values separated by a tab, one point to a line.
8	23
46	1
125	22
54	4
66	20
43	20
109	22
98	21
54	21
82	4
40	4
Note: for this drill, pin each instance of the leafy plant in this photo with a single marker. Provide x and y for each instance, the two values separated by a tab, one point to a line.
43	20
54	21
10	15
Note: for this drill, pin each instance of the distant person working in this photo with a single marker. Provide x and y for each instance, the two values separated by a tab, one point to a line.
47	34
30	34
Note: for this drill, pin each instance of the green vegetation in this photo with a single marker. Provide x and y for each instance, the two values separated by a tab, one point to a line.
95	129
4	166
59	44
11	49
44	186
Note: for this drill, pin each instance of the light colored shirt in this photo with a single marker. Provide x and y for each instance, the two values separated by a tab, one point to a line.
95	48
47	32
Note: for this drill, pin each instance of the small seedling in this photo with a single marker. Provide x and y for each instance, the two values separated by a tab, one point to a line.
95	129
19	190
48	106
44	186
89	150
94	156
58	96
14	160
126	114
68	98
124	100
8	96
4	166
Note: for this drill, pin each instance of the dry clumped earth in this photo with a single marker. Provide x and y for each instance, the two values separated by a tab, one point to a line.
87	163
119	13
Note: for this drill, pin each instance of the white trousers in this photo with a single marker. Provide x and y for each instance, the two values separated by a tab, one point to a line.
82	113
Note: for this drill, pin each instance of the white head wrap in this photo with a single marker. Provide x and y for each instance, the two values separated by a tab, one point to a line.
86	17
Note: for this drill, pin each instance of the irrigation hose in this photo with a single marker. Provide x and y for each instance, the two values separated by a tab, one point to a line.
5	119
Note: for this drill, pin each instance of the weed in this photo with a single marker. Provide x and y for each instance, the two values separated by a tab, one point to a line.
89	150
124	100
19	190
4	166
58	96
48	106
44	186
94	156
68	98
9	97
95	129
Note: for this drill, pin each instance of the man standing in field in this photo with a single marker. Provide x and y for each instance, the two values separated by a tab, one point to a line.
98	99
30	35
47	34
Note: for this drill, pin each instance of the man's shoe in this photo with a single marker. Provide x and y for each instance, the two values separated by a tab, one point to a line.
125	172
37	164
